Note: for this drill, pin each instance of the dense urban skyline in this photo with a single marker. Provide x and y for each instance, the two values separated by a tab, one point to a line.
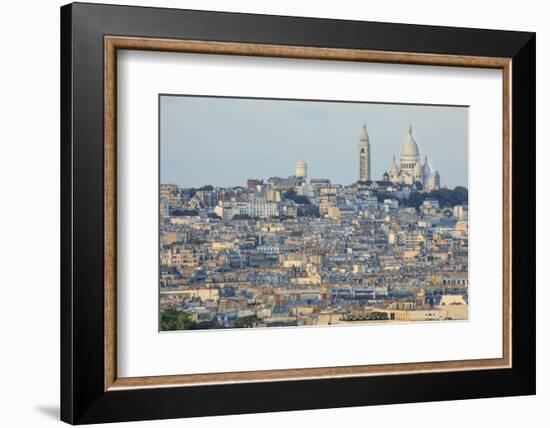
320	213
224	141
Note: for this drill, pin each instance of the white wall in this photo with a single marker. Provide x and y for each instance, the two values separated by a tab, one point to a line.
29	234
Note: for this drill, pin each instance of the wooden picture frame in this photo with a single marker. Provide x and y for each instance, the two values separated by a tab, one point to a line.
91	390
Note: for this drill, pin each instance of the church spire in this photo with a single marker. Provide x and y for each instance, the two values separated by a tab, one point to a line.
364	136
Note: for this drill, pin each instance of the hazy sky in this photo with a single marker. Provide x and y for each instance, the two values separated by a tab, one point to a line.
224	141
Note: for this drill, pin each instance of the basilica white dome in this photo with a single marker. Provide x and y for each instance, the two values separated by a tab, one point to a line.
410	169
410	148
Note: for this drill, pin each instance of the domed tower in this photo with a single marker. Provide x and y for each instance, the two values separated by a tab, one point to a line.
410	154
363	150
300	169
433	182
393	171
418	173
426	169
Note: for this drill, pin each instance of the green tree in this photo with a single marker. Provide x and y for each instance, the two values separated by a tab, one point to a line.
309	211
375	315
205	325
174	319
244	322
445	197
299	199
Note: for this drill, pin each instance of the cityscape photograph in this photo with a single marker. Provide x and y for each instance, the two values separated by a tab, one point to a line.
281	213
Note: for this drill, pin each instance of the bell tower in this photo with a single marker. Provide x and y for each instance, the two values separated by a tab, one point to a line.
363	150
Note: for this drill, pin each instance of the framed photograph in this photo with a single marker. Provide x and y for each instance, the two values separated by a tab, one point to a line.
266	213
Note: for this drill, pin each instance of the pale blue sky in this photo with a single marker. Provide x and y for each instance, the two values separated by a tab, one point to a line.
224	141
